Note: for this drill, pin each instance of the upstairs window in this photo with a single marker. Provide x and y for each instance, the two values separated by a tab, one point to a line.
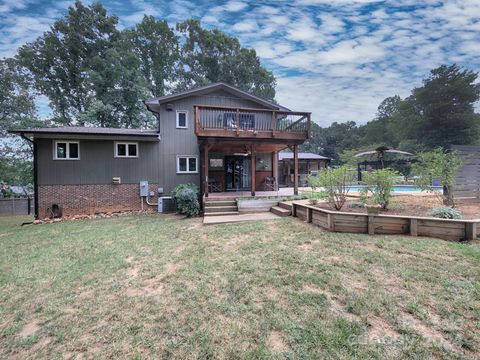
66	150
187	164
126	149
182	119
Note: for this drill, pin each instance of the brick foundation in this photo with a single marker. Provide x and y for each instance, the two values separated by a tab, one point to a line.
90	199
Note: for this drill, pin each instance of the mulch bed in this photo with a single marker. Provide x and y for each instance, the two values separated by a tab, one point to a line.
412	205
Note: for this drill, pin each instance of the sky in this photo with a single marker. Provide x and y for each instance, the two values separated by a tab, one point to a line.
336	58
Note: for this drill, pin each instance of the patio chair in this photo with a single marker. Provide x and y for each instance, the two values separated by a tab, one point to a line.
214	186
270	183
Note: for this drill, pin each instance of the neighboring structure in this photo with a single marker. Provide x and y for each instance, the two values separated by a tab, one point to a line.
217	136
467	183
308	164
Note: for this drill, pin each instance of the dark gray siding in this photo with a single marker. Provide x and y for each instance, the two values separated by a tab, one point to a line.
157	159
97	164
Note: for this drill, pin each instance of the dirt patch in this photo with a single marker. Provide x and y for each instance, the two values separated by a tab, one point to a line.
30	328
379	328
276	342
428	332
149	287
412	205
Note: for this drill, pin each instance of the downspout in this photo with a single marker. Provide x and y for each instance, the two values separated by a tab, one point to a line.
35	171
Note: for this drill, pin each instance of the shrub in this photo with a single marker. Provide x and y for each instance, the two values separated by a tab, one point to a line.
444	213
335	184
380	184
356	204
186	199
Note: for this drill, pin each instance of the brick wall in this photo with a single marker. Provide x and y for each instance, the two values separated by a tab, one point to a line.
90	199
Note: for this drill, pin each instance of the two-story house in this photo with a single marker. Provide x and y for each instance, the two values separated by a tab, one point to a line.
217	136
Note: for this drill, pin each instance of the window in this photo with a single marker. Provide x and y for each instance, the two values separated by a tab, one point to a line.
182	119
126	150
187	164
66	150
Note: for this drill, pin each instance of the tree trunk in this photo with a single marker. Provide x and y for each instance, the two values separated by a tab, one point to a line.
448	196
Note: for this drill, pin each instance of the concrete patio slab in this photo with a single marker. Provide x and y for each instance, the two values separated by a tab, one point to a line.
212	220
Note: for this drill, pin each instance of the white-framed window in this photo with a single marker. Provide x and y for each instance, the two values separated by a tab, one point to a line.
187	164
125	149
66	150
182	119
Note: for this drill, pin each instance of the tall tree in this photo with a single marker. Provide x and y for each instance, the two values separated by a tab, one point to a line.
60	59
211	55
156	46
445	105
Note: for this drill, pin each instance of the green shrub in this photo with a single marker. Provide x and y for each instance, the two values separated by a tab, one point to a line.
444	213
380	184
186	199
334	183
356	204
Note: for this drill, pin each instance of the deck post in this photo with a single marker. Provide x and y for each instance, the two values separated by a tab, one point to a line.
295	169
205	169
288	172
253	170
274	170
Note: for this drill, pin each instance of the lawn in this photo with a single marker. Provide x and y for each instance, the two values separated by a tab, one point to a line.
158	286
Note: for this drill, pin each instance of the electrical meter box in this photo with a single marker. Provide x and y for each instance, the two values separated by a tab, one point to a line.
143	188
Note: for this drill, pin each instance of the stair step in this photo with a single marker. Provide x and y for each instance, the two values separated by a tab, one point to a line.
277	210
285	205
220	203
209	208
221	213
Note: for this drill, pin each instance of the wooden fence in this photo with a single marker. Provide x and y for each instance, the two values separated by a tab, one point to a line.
454	230
16	206
467	184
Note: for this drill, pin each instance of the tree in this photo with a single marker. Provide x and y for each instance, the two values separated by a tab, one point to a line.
156	46
441	112
442	165
335	184
60	59
209	56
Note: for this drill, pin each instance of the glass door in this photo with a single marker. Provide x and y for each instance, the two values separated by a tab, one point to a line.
238	170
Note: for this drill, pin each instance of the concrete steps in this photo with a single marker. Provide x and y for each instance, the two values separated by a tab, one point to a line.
280	211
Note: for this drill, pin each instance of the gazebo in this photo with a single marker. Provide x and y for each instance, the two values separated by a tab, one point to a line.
380	162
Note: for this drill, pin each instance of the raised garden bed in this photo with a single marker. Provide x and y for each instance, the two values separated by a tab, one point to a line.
357	222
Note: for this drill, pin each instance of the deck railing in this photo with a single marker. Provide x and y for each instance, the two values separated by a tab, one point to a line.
217	121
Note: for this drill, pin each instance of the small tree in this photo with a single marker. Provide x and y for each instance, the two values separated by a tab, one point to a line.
380	184
438	165
335	184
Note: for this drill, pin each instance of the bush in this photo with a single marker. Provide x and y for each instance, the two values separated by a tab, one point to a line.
356	204
334	183
444	213
186	199
380	184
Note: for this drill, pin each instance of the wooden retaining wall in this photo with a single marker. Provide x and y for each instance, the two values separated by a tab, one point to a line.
454	230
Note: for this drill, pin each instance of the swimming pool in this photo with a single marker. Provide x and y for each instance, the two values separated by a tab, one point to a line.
396	188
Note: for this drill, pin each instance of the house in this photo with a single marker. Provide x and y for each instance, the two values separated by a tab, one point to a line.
216	136
308	164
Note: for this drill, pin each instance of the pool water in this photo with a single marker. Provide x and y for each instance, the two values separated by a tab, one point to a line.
396	188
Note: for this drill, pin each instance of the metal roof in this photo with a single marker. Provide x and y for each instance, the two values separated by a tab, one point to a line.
301	156
152	104
78	130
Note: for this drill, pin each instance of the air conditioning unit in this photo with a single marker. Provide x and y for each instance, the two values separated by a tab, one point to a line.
165	204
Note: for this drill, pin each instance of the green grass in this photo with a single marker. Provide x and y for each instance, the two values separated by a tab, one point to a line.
159	286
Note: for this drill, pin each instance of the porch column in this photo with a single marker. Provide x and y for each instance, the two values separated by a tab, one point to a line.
288	172
206	148
253	170
274	169
295	169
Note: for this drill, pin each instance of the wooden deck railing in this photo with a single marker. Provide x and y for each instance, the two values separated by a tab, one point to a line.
217	121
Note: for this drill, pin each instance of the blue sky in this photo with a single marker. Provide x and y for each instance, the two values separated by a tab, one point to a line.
335	58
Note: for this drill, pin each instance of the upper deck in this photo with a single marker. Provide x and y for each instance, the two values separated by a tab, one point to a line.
245	123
